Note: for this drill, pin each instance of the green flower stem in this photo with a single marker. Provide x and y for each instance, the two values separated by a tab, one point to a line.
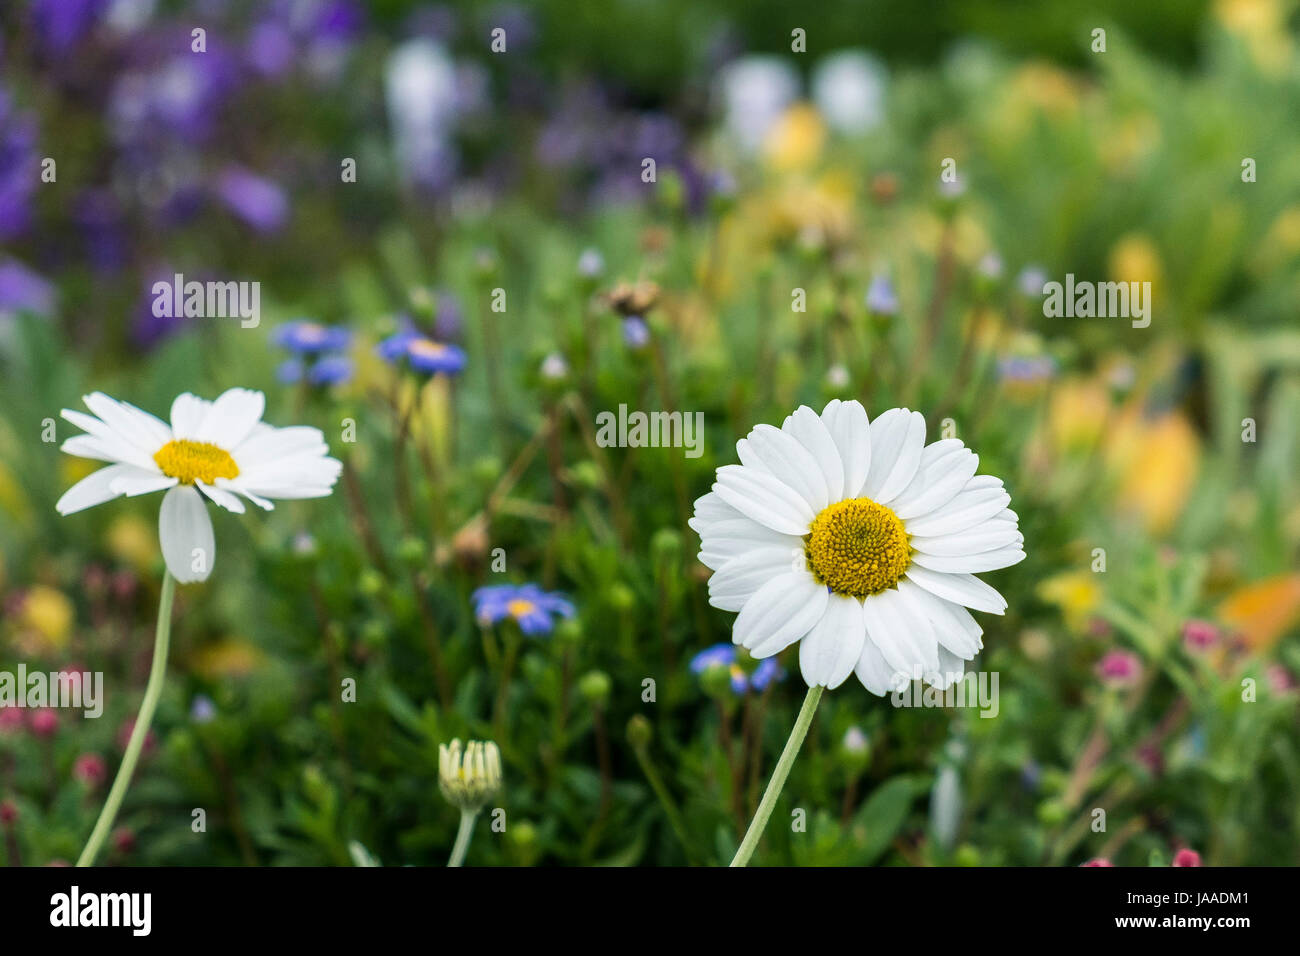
152	691
467	818
775	785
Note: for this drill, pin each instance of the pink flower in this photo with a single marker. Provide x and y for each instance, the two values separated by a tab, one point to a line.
90	769
1279	679
1200	635
1098	861
1119	668
8	812
124	839
11	720
45	722
124	738
1186	857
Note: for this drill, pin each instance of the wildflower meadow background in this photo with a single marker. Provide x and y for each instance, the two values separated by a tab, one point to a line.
469	244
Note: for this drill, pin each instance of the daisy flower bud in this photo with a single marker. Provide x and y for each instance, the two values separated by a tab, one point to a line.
469	776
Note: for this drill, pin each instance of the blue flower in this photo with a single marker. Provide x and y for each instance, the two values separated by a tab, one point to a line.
636	334
307	337
331	370
724	655
423	353
290	372
881	298
533	609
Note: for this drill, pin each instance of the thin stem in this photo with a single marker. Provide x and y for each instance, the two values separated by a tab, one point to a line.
467	818
775	785
152	691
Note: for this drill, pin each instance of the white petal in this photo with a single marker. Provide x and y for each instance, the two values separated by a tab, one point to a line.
874	672
768	501
848	424
94	489
973	505
780	612
950	670
811	432
897	440
222	497
790	462
985	536
971	563
142	483
908	647
944	471
88	446
267	445
232	417
829	652
735	582
129	422
185	533
110	441
187	415
723	540
964	589
953	625
238	488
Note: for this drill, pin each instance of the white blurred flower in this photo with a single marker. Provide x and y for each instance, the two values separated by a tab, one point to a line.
754	92
421	86
849	90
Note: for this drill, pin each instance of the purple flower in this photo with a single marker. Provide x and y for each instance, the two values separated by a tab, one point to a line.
258	202
533	609
881	298
724	655
61	24
331	370
423	353
290	371
1119	668
19	169
305	336
636	334
22	290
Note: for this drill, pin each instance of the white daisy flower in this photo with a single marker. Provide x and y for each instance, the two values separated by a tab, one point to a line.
859	540
218	449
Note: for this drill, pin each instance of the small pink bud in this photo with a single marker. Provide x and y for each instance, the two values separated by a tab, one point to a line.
1200	635
8	812
124	839
124	738
1119	667
1185	857
45	722
1099	861
90	769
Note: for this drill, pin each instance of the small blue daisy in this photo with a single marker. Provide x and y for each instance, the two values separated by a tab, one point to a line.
533	609
724	655
309	338
423	353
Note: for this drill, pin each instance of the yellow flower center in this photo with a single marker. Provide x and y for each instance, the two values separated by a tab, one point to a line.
426	348
519	607
857	547
192	461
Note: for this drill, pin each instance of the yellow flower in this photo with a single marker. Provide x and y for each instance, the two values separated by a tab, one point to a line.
1263	611
46	619
232	657
1262	26
1158	461
133	541
1076	593
1135	259
795	141
1076	414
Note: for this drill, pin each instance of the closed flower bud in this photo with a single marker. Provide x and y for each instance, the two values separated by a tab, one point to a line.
639	731
594	687
469	776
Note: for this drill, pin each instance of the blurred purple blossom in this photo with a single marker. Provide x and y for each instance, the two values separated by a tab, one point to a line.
257	202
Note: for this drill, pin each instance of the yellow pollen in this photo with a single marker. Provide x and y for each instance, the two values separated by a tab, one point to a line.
857	547
192	461
519	607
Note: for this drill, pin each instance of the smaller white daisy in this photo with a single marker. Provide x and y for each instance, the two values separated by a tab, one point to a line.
219	449
859	541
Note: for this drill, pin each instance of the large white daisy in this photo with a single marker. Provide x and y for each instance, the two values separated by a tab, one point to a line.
218	449
859	540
